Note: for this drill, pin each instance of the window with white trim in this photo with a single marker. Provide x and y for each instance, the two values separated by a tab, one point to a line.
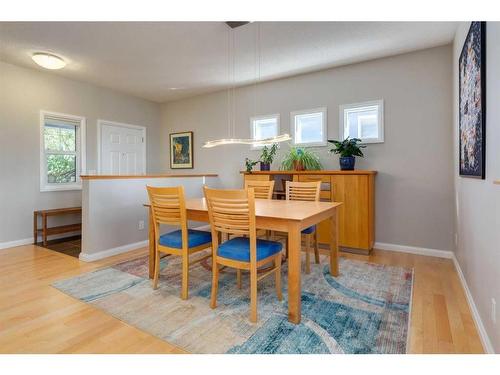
363	120
62	151
309	127
262	127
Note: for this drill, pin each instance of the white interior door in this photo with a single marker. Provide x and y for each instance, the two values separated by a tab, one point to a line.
123	149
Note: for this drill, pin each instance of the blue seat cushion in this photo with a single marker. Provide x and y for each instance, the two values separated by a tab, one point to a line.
195	238
309	230
239	249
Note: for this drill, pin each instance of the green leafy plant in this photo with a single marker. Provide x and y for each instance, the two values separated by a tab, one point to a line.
347	147
268	154
300	159
250	164
61	168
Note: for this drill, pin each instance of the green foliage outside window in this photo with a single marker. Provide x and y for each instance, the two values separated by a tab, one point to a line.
60	145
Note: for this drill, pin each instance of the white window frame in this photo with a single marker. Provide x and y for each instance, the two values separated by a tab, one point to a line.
263	117
293	126
353	106
80	153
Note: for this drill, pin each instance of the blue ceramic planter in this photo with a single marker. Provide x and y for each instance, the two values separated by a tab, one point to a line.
347	163
265	166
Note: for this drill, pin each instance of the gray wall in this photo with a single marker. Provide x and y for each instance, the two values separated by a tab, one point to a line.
478	201
23	93
414	187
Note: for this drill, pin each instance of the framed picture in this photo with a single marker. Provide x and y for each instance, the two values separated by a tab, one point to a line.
472	103
181	150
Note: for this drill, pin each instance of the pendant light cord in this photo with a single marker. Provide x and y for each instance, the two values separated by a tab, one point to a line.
234	85
228	62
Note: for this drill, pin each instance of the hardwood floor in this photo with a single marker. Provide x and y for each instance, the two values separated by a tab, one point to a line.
36	318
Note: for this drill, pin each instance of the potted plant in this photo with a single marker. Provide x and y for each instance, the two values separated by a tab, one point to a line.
300	159
348	149
250	164
267	157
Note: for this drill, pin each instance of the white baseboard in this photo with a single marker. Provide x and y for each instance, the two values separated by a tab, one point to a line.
485	340
29	241
25	241
114	251
414	250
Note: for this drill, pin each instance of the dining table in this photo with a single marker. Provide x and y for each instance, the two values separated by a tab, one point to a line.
288	216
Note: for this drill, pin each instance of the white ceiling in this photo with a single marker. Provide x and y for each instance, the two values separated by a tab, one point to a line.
147	59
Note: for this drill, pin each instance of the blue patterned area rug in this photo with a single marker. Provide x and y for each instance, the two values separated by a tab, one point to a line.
364	310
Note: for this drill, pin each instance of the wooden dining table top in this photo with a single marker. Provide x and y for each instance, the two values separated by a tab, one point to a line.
274	208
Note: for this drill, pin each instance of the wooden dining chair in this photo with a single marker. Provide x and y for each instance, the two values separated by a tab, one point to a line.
263	190
232	212
168	205
306	191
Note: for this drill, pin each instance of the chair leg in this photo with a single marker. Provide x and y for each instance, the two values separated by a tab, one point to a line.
238	278
185	275
157	269
253	293
277	276
308	248
316	249
268	234
215	283
272	235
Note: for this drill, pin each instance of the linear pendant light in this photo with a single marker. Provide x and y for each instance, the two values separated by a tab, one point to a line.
48	60
243	141
247	141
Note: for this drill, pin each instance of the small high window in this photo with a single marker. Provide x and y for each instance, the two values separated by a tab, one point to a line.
363	120
309	127
262	127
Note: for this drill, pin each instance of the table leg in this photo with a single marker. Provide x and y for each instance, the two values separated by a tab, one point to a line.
294	287
334	243
151	245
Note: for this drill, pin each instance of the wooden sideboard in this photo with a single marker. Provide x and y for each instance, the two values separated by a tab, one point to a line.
356	189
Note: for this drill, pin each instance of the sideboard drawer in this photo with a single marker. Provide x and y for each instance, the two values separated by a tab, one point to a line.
314	177
258	177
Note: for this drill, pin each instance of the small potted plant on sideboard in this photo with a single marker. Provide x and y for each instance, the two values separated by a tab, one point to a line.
300	159
348	149
267	157
249	164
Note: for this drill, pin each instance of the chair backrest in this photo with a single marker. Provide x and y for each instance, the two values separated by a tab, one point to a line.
168	206
231	211
262	189
303	191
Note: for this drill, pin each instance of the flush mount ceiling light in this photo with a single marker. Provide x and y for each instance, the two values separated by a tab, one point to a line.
48	61
231	97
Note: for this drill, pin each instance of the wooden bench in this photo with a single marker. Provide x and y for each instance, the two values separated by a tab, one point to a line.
46	231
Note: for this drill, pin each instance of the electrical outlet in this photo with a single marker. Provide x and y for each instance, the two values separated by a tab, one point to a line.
141	225
494	311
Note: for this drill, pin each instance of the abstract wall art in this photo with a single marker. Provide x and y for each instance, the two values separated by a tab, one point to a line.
472	103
